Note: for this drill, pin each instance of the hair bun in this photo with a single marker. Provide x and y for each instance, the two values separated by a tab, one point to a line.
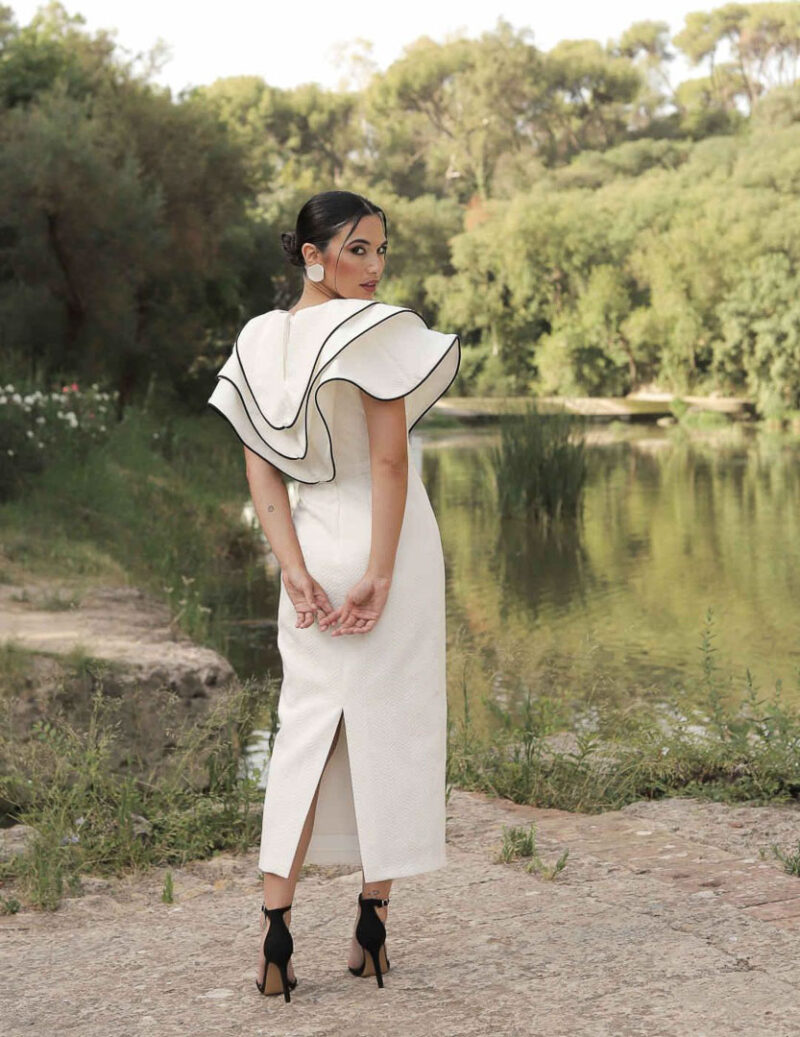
289	243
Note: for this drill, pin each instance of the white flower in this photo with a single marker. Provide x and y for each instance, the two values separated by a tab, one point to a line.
40	444
664	750
3	399
102	428
29	433
40	420
10	452
9	388
72	418
16	398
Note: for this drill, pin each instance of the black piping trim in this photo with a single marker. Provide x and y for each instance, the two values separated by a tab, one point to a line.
315	377
315	482
279	428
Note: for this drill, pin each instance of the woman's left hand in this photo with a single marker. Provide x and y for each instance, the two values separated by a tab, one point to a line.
306	595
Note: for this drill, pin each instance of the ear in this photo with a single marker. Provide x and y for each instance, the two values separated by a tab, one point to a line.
310	254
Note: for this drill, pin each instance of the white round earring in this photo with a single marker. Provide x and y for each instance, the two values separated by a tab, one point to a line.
315	272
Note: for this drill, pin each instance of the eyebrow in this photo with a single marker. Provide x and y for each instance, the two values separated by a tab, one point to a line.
363	241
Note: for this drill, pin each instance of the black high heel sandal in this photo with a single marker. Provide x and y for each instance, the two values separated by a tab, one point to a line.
278	947
371	934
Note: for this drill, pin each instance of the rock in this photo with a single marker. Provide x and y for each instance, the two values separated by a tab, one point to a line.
153	677
140	825
91	885
15	840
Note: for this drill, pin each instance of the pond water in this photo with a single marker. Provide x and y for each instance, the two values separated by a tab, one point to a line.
616	605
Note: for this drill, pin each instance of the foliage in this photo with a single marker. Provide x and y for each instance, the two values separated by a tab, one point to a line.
37	427
584	225
149	503
521	842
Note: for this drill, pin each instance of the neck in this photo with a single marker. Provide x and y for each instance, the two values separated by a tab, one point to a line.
314	292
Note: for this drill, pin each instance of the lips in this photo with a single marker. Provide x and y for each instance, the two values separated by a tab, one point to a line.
369	284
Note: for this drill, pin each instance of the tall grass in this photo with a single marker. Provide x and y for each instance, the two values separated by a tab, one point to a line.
540	465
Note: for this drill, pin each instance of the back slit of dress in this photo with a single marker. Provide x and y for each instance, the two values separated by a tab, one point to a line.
334	832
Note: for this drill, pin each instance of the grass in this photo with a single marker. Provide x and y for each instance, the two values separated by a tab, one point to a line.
151	505
96	810
728	751
540	466
520	842
92	816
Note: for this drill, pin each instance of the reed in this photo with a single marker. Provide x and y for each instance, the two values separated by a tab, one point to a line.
540	466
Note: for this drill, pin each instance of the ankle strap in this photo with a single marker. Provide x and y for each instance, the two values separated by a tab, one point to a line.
274	910
374	901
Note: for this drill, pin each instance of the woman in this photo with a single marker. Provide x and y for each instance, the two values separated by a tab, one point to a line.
327	393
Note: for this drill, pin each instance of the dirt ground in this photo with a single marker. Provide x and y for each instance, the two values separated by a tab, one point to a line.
666	920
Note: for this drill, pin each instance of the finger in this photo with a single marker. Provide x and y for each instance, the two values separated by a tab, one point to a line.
349	628
326	622
346	616
323	600
346	626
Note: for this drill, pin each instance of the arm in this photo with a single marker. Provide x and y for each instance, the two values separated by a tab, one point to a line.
271	502
388	446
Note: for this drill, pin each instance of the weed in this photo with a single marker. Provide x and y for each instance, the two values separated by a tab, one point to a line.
519	841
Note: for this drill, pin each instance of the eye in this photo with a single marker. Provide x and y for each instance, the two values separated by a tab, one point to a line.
357	250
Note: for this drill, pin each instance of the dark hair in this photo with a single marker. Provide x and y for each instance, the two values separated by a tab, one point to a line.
322	216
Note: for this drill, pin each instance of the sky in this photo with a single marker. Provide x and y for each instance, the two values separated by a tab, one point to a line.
305	41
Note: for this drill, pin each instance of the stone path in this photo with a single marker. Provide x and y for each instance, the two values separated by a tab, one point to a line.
665	921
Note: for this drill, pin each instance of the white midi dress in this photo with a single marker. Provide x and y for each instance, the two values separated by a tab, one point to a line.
290	388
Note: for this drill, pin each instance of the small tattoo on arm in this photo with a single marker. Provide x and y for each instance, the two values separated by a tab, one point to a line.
270	507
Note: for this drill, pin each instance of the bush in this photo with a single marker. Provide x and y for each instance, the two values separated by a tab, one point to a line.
37	427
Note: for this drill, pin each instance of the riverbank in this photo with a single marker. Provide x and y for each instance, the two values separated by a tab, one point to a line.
644	406
665	920
168	503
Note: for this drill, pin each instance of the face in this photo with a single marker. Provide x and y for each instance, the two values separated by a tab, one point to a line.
361	260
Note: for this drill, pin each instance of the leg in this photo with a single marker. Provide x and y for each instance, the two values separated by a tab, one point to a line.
368	889
279	890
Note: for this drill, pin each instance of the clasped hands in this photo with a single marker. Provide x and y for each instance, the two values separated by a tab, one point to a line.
358	614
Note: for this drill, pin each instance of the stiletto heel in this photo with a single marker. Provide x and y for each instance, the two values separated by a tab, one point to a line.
371	935
278	947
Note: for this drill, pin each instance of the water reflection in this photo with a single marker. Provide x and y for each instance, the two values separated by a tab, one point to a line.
671	525
614	604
